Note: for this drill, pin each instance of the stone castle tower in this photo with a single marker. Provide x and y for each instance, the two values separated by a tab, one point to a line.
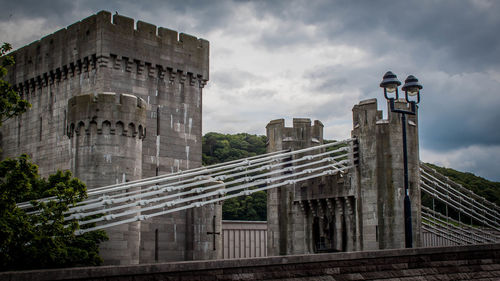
114	101
359	210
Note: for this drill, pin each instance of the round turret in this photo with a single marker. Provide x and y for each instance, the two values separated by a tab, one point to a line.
106	132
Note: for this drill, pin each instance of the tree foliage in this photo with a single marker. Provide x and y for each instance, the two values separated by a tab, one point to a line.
218	148
11	104
42	239
39	237
480	186
249	208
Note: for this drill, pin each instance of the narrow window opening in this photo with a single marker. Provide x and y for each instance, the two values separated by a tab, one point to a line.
156	245
41	129
65	124
316	235
158	121
344	233
183	94
19	133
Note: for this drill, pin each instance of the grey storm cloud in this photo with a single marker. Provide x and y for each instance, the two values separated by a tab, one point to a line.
463	113
462	30
29	9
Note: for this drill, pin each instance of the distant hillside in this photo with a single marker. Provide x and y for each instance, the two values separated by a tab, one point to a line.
488	189
218	148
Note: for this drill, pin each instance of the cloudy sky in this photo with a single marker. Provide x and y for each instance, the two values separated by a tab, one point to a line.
316	59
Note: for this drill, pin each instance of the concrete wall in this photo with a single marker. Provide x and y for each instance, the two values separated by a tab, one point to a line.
478	262
105	53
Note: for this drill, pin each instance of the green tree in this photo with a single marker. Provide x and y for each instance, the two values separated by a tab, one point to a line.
39	237
249	208
488	189
218	148
11	104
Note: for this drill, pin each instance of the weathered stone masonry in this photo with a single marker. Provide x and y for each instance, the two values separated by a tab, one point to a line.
314	216
106	132
359	210
104	53
380	186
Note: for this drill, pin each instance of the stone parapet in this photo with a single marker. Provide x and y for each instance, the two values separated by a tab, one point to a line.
476	262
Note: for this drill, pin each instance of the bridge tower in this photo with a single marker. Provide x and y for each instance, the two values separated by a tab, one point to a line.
380	176
285	221
313	216
361	209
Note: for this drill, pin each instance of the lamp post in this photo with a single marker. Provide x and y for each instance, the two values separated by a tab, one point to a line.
412	88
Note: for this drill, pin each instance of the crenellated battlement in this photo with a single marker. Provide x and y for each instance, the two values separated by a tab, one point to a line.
302	130
88	64
95	42
89	28
107	113
365	115
127	25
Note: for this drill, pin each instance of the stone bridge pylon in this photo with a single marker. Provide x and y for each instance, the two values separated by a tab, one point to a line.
359	209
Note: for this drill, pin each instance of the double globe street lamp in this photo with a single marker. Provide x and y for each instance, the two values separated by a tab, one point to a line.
412	88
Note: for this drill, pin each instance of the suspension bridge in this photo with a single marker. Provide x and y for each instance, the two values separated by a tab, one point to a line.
474	219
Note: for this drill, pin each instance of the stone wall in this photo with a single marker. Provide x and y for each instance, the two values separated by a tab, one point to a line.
478	262
105	53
